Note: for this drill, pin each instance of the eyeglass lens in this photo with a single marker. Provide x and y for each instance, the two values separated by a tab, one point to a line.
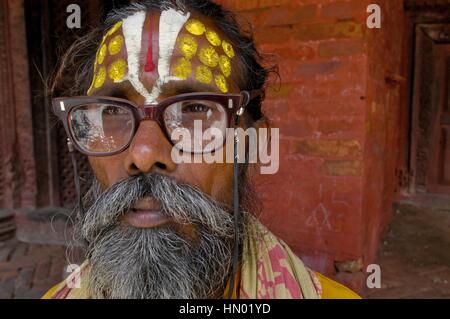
194	126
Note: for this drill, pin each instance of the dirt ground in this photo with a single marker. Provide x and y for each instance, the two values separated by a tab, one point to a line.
414	257
415	253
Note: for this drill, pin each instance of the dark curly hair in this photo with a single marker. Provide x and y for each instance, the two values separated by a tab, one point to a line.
75	68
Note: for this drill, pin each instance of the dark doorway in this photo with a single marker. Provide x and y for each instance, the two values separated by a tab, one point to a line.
439	176
47	37
430	138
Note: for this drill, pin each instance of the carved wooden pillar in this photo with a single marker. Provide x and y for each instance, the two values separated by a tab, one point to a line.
7	121
18	170
17	167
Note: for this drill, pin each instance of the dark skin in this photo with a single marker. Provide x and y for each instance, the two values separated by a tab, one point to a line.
150	150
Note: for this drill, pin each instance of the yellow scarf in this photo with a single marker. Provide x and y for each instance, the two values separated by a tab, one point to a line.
269	270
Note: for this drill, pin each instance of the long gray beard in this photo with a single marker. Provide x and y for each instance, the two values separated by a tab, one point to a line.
127	262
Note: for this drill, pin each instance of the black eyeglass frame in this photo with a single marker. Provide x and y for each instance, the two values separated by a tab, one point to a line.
233	104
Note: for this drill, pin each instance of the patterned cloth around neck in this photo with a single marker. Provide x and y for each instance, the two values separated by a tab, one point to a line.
269	270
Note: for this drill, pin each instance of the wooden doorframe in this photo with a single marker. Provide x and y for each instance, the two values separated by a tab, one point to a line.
423	32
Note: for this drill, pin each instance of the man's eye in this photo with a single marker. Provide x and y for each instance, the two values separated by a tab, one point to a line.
196	108
114	111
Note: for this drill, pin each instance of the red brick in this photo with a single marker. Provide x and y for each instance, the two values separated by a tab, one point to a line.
28	276
298	127
275	92
321	31
5	253
42	270
318	68
345	10
282	16
316	108
272	3
330	148
342	168
340	125
292	52
57	267
239	5
273	35
7	288
346	72
340	48
19	251
24	281
5	274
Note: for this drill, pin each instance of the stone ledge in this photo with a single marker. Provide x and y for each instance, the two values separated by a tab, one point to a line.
47	226
7	224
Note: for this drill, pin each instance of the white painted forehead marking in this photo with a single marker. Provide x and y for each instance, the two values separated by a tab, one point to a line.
132	30
170	24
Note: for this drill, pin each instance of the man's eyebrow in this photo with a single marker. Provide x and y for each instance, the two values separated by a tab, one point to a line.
179	87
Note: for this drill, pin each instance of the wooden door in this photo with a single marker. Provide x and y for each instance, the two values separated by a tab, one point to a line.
430	136
439	178
48	36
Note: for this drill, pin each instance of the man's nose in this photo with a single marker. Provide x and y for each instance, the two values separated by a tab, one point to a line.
150	151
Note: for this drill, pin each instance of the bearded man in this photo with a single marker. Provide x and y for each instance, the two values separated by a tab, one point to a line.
153	227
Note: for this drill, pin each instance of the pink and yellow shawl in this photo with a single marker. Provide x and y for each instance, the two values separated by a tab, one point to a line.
269	270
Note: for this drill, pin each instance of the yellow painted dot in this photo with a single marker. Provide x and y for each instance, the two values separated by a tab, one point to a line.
114	28
195	27
203	74
115	45
209	57
228	49
225	65
221	83
183	68
101	54
117	70
213	38
188	46
100	78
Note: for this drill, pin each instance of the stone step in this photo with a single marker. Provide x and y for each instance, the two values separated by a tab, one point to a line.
7	225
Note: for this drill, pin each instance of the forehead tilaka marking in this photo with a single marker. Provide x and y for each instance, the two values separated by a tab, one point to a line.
202	54
202	45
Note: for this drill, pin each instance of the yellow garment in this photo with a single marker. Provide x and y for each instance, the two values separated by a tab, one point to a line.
269	270
334	290
330	290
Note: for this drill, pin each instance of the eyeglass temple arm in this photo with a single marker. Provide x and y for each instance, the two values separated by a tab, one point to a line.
250	95
247	97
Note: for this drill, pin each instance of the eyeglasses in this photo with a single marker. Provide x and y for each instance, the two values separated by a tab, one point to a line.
105	126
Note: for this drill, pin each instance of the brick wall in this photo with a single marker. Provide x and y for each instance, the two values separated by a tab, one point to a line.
338	121
385	120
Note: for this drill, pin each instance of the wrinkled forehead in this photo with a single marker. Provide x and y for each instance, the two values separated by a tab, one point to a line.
161	53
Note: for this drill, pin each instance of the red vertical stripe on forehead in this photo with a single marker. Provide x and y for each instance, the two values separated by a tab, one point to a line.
150	66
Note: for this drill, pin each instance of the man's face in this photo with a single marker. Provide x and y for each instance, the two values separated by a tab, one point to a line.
177	54
156	228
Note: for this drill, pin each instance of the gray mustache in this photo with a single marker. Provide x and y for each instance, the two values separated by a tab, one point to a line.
183	203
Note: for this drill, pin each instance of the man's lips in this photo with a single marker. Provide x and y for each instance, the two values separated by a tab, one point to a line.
146	213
